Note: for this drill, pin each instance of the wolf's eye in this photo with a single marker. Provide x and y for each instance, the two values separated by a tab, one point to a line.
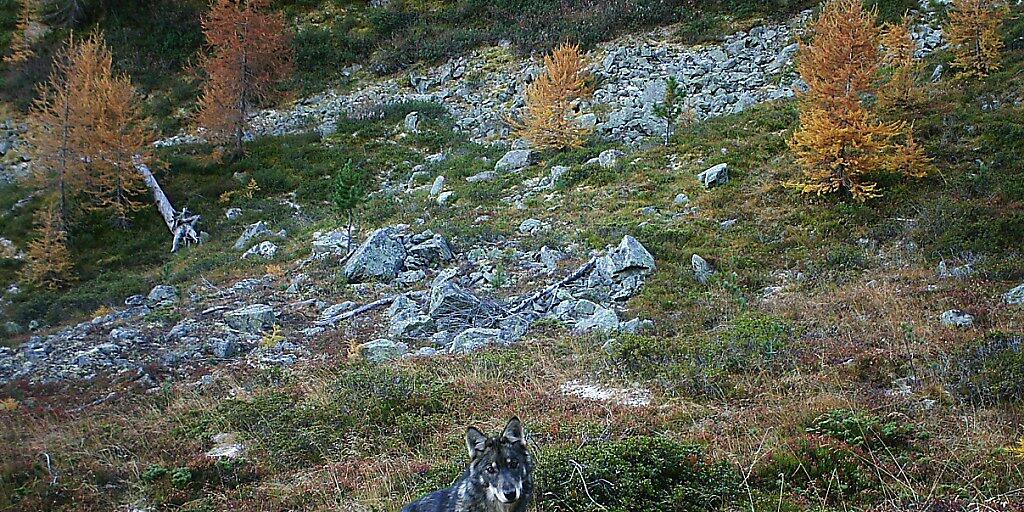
491	469
513	464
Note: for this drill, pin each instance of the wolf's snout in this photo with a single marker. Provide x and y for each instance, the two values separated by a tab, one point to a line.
508	495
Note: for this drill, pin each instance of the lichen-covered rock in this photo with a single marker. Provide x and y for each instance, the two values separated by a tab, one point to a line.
382	350
253	319
380	257
514	160
475	338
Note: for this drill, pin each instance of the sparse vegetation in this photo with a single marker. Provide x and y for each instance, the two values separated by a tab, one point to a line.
811	372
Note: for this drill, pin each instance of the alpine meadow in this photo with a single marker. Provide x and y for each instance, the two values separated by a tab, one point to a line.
512	255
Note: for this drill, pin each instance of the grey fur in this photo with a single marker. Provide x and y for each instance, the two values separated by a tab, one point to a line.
499	477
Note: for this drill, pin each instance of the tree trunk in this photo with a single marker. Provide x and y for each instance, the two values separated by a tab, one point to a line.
181	225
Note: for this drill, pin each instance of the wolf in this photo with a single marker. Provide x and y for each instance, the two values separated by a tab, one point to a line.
499	477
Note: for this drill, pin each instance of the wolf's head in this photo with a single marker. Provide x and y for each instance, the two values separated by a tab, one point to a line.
501	463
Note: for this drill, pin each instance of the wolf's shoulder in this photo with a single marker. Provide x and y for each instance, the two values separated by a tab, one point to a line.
445	500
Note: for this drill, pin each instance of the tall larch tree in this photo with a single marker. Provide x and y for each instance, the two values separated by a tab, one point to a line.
120	135
839	140
49	261
973	35
250	51
59	135
550	118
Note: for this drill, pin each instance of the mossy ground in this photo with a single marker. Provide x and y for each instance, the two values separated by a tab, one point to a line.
842	391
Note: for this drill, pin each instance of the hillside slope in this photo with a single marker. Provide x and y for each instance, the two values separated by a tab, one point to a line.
672	341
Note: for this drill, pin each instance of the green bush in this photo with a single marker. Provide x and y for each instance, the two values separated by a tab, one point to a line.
641	473
864	430
820	469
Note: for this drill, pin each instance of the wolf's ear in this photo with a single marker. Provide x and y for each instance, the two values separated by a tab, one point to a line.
476	441
513	432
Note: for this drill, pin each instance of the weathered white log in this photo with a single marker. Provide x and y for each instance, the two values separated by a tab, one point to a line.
181	225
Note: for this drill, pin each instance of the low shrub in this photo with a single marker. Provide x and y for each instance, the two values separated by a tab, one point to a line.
640	473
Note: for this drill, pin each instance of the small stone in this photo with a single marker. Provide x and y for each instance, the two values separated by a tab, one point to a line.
609	159
482	176
681	199
412	122
531	226
233	213
957	318
445	197
435	189
702	270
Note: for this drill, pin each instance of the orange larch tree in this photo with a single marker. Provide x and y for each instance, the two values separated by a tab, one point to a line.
49	261
973	35
898	59
839	140
119	138
59	135
550	120
251	50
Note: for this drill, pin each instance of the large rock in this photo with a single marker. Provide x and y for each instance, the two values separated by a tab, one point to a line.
382	350
407	321
514	160
380	257
475	338
253	319
432	251
715	176
252	232
449	299
162	295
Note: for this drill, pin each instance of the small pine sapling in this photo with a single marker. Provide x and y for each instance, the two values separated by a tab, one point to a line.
550	117
673	108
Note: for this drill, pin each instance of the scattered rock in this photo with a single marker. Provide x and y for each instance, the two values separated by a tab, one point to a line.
380	257
681	200
533	226
233	213
629	397
609	159
475	338
715	176
514	160
957	318
266	250
445	197
252	319
702	270
226	446
252	232
435	189
382	350
1014	296
482	176
161	295
412	122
